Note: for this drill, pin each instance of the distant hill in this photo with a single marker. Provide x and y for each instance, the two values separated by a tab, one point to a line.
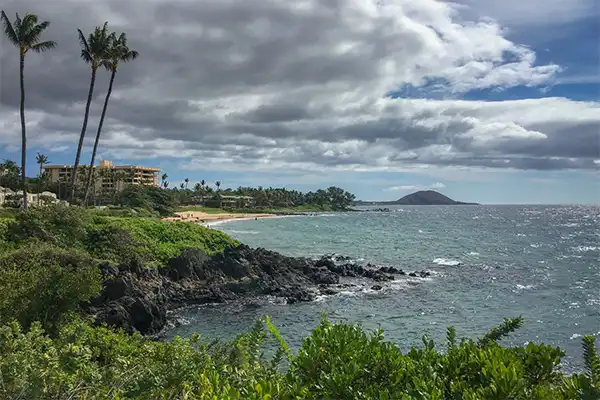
421	198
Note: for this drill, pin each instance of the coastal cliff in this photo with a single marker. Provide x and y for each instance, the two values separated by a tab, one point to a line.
137	298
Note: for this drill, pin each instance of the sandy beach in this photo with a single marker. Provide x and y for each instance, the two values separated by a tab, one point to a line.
202	217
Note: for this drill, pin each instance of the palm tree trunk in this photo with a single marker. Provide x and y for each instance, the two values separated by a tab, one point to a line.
89	177
82	136
23	133
40	184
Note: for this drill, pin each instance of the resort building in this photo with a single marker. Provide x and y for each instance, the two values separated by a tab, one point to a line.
108	178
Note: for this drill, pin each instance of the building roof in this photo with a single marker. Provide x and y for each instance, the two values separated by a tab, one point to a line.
151	169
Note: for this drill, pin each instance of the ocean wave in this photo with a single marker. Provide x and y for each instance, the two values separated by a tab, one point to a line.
473	253
446	262
586	248
243	232
575	336
525	287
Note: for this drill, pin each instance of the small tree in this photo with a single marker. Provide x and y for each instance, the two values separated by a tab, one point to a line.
41	160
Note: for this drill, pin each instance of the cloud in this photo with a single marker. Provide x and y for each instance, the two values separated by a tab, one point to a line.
274	85
434	186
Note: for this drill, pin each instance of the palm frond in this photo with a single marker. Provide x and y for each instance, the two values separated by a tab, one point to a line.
27	25
43	46
99	43
130	55
82	41
9	32
17	24
86	54
34	33
107	64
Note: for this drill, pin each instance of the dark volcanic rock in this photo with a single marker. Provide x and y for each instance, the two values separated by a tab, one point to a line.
136	297
376	287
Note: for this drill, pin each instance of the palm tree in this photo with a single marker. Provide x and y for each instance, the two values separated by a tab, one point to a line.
25	34
163	180
187	181
41	160
218	185
93	51
117	52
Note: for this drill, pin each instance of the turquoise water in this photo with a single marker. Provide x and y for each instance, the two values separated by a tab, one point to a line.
488	262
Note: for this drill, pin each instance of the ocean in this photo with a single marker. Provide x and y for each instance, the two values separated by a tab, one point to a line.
487	263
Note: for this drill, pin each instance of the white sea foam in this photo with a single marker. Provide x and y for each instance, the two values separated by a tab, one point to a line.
525	287
473	253
447	262
575	336
586	248
244	232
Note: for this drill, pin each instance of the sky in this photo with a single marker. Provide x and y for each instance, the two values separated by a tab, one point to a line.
490	101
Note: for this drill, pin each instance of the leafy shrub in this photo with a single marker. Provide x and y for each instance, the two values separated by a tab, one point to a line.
98	363
57	224
40	282
113	244
161	240
148	197
337	361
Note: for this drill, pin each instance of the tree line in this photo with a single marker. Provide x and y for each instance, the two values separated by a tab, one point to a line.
333	197
99	49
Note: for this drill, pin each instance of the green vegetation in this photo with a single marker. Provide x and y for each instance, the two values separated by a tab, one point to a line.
337	361
49	350
107	237
261	199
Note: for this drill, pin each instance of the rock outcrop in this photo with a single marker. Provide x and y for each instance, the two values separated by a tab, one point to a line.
136	297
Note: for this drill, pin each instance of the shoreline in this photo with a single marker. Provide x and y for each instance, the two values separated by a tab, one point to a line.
207	219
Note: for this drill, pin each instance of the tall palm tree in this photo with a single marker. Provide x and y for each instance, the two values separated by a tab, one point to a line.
187	181
94	49
25	34
41	160
117	52
218	185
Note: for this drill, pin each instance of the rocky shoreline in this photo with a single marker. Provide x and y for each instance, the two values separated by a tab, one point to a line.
136	297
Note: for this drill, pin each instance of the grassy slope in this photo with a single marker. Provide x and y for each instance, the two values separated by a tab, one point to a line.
163	240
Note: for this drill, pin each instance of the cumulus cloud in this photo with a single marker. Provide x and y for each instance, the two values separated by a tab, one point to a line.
434	186
300	86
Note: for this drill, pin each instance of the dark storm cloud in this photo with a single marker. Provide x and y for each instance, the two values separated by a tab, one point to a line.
290	83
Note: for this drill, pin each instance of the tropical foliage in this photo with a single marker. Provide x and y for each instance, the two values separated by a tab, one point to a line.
49	260
332	198
337	361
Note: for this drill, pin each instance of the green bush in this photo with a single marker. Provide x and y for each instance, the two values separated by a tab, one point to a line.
161	240
57	224
149	198
337	361
108	238
40	282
